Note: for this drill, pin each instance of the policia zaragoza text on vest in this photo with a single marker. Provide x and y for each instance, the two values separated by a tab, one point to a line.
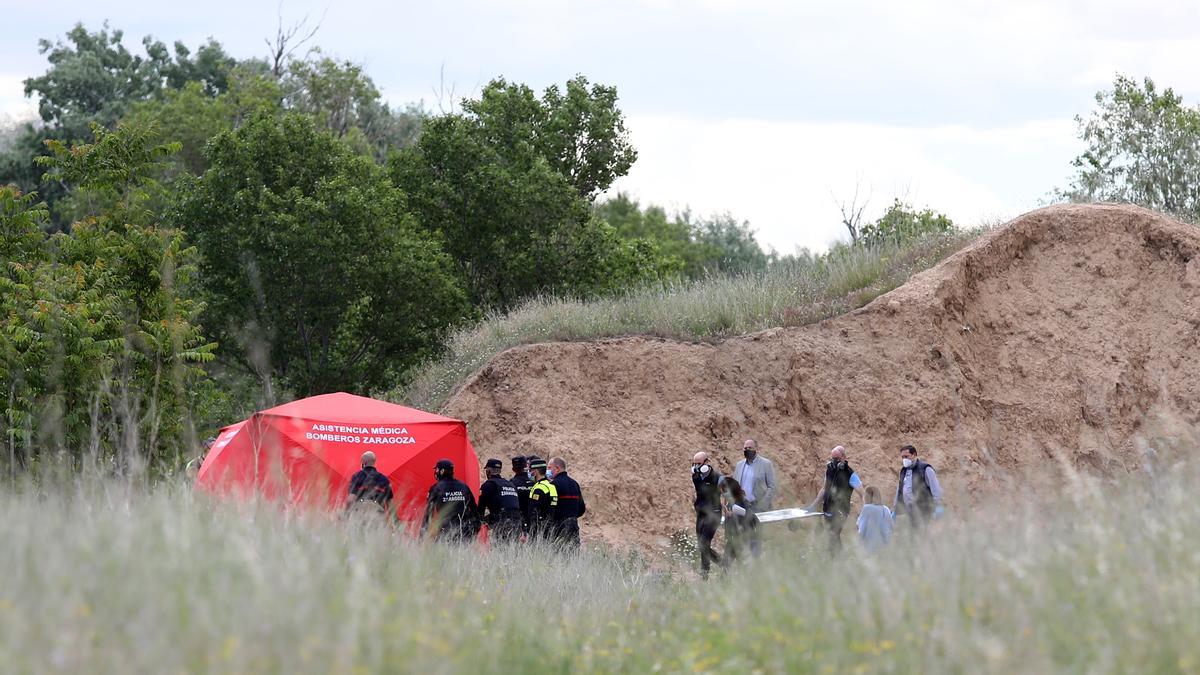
450	512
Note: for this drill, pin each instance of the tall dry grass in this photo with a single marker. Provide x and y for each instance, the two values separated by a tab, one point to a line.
104	577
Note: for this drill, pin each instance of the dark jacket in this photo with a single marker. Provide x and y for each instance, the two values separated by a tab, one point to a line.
498	502
920	487
543	502
369	485
739	530
523	483
450	508
570	498
708	497
837	488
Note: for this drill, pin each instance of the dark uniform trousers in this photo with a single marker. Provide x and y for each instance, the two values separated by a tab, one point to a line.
707	523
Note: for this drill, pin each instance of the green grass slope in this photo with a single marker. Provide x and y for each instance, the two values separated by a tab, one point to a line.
804	291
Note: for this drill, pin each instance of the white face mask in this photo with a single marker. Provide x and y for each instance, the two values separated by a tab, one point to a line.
704	469
907	463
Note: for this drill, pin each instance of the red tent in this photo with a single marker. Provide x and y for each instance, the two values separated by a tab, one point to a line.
307	450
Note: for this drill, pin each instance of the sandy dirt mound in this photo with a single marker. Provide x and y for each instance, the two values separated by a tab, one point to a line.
1052	341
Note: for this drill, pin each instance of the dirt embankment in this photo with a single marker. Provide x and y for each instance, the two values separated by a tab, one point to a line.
1051	341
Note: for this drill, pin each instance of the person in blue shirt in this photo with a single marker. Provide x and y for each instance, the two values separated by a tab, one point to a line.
834	498
918	493
874	522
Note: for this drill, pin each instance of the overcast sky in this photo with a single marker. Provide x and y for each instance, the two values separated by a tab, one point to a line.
767	109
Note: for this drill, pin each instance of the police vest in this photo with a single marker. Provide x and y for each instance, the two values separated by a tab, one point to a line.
543	498
505	495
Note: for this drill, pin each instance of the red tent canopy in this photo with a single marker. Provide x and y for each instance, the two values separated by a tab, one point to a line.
307	450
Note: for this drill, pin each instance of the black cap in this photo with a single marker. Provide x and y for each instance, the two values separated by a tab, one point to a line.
518	462
444	464
494	463
537	463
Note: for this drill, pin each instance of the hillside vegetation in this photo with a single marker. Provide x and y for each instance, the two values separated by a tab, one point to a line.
188	235
795	292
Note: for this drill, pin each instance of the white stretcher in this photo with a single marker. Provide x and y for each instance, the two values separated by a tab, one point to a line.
786	514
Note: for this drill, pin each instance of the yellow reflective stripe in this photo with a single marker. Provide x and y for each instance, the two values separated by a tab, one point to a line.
546	487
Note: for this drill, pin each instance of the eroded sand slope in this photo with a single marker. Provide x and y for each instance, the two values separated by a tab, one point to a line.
1054	338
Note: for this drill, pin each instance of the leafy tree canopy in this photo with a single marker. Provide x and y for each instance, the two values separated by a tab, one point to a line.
688	245
338	95
315	273
192	116
508	187
94	78
901	223
580	132
1143	147
99	347
344	100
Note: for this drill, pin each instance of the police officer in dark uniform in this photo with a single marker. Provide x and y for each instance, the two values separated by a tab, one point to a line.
499	507
543	500
571	506
450	507
523	484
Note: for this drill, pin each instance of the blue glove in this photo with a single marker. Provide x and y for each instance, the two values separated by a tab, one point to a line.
937	512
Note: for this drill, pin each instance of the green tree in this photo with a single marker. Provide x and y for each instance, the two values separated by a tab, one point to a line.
344	101
19	168
673	239
94	79
191	115
580	132
727	245
901	223
582	135
1143	147
310	259
512	205
98	338
686	244
338	95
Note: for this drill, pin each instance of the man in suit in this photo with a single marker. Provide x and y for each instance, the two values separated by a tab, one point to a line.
756	475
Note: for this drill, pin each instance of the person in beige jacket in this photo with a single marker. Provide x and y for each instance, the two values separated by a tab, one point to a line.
756	475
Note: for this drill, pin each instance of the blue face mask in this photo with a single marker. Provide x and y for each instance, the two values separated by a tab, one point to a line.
549	473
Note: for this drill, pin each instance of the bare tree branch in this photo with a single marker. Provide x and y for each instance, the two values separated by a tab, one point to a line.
288	40
852	212
440	93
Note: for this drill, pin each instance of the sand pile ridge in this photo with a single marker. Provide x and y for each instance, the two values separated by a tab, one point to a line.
1061	339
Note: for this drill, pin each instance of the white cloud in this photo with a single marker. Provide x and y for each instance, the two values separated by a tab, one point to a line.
785	177
13	104
759	107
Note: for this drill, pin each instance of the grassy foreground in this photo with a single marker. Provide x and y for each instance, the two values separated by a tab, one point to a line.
102	577
800	291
